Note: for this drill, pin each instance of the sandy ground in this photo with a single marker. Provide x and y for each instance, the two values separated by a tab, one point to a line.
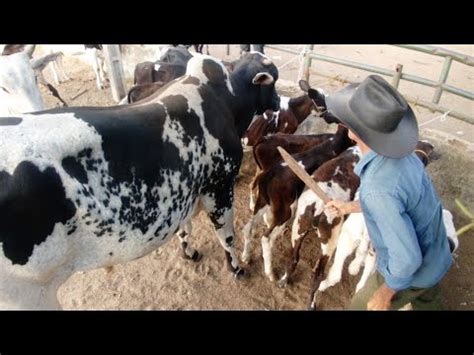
164	280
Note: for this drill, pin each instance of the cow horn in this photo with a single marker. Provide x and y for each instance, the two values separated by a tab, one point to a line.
29	49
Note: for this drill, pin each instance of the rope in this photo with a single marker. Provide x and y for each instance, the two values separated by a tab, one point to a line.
442	118
300	56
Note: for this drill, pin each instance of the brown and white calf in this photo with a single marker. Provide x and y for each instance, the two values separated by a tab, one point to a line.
338	180
278	190
293	111
354	237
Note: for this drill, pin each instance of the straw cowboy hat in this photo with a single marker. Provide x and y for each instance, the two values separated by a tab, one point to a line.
378	114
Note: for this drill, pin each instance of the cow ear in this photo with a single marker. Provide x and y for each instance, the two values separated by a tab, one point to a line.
229	65
263	79
304	85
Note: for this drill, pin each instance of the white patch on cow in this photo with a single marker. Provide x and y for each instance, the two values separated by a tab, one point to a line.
157	67
245	141
31	140
276	117
284	102
450	229
194	68
337	171
356	150
19	92
286	124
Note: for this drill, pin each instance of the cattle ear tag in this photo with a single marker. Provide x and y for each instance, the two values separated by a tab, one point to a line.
262	79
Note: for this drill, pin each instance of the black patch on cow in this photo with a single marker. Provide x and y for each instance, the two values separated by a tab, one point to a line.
214	72
229	240
191	80
31	203
72	230
75	169
10	121
177	107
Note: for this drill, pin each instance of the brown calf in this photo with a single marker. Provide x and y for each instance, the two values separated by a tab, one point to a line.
279	188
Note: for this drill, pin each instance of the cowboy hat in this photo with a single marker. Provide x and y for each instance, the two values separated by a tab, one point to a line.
378	114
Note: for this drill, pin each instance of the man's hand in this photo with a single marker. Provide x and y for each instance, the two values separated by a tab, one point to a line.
381	299
339	208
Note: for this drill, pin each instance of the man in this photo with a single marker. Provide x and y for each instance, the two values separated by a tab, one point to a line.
401	208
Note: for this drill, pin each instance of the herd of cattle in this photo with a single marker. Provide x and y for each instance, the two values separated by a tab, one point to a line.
89	187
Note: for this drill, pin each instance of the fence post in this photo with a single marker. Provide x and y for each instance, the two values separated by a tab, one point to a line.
397	76
442	79
307	62
228	49
113	59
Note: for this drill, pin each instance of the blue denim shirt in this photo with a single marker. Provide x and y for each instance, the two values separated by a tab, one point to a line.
404	219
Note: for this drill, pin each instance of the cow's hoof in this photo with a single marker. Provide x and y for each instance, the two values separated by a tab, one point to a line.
312	306
283	283
241	274
196	256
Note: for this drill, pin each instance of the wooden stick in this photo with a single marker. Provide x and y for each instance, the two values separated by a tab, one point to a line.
303	175
82	92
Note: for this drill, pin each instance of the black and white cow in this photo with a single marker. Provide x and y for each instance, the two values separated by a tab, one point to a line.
89	187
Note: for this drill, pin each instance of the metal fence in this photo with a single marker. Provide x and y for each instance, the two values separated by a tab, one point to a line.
397	74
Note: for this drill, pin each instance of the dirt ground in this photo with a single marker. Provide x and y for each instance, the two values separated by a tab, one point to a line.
163	280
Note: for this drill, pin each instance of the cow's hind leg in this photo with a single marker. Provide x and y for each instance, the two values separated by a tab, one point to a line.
218	205
188	251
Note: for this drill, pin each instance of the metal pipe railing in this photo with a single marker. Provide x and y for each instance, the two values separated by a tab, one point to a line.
441	52
397	74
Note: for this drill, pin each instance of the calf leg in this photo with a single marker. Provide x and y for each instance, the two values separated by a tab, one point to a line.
281	214
361	254
296	242
188	251
369	269
58	64
267	245
94	61
329	234
345	247
249	234
299	231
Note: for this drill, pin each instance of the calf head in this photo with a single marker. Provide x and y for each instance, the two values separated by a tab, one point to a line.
319	98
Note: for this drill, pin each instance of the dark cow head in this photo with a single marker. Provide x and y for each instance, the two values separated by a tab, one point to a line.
254	76
319	99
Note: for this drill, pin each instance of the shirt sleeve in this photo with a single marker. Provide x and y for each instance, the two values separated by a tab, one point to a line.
398	235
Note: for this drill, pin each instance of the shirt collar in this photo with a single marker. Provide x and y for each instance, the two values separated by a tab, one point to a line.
366	159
